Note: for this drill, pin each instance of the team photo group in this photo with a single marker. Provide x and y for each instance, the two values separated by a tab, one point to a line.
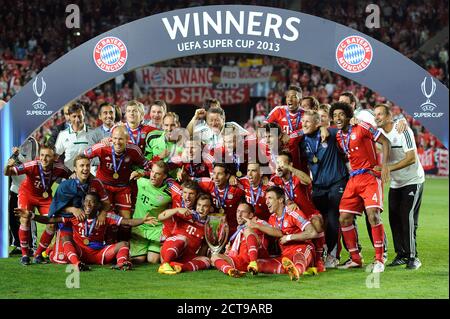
279	199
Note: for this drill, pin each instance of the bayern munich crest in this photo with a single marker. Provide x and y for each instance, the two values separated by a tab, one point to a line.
354	54
110	54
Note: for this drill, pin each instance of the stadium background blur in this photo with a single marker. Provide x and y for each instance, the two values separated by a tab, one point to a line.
32	38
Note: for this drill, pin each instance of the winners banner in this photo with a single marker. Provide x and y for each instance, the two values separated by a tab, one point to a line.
166	77
197	95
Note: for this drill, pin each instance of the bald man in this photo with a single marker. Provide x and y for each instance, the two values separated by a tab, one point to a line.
118	160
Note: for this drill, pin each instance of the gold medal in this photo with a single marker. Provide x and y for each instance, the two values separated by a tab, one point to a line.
45	194
116	175
315	159
239	174
221	211
86	241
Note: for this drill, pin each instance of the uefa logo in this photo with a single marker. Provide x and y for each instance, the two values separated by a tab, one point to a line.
354	54
110	54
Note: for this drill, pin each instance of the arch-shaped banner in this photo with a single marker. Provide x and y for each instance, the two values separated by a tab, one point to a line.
221	29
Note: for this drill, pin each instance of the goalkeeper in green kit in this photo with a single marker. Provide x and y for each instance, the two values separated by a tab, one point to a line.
154	196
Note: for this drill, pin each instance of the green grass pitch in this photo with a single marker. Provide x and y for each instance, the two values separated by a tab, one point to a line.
430	281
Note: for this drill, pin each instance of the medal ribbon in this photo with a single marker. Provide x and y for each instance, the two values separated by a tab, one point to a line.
239	229
291	189
308	144
280	224
116	167
84	187
288	118
252	194
196	217
87	230
345	144
41	174
138	139
221	200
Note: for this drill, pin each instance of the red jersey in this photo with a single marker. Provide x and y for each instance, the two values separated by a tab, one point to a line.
279	115
96	186
194	170
295	192
139	135
191	228
131	157
87	230
291	222
239	244
248	152
256	197
361	150
33	182
231	200
298	160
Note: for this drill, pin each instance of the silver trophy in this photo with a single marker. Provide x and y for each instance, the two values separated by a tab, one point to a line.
216	233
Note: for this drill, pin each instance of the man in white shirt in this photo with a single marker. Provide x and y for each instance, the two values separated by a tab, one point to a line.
74	139
405	192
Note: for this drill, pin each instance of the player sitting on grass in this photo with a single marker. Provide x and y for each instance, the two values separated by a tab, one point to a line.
88	245
245	246
179	252
295	233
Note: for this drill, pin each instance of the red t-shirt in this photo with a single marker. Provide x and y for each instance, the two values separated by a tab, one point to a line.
293	222
259	203
232	199
295	192
192	229
279	115
139	135
361	149
81	229
131	157
33	183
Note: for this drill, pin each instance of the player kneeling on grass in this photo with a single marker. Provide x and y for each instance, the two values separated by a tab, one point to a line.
179	252
88	245
295	233
244	247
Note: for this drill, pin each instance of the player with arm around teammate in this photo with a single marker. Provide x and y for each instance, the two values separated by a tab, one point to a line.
246	245
88	243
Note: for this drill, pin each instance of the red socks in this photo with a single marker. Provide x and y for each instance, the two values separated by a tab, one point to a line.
71	253
318	244
198	263
24	235
44	242
222	265
351	241
172	248
270	266
122	255
252	247
378	241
